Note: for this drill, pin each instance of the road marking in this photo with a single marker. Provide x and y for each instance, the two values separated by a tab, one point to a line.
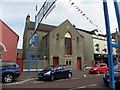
38	82
87	76
57	80
92	85
61	80
95	75
78	88
81	87
20	82
69	79
76	78
79	77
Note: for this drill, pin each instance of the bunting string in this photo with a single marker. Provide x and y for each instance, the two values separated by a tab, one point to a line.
72	3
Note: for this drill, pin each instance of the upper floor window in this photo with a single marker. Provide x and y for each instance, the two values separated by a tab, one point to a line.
68	44
57	36
97	47
77	39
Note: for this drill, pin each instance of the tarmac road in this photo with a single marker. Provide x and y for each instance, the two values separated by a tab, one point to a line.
75	83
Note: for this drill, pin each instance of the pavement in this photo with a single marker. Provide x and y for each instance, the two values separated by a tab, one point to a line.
24	75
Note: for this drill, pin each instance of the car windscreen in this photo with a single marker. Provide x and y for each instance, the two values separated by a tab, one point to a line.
117	68
49	68
8	65
96	65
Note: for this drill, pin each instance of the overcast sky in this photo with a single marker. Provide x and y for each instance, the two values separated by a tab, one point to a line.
14	12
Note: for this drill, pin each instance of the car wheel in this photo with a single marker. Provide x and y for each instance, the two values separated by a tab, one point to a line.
89	72
105	82
98	72
8	78
106	71
69	75
52	77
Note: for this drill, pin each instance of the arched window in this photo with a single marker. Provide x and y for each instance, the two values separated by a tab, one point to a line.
77	39
57	36
68	44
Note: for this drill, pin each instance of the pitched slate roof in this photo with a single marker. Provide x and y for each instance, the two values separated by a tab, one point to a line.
42	27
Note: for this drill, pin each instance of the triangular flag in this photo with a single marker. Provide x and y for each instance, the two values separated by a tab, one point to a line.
78	9
83	15
72	3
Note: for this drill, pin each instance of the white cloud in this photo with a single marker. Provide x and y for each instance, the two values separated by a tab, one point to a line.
14	12
6	1
112	17
65	11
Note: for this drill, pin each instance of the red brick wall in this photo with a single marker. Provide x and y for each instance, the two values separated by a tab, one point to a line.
10	40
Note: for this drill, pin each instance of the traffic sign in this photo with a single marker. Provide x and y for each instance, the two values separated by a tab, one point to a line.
48	4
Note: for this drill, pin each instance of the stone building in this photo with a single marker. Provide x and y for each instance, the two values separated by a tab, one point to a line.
66	44
57	45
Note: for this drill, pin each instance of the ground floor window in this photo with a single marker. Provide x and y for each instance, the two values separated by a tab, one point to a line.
68	62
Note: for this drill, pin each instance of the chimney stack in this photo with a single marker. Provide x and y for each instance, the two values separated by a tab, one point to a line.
28	18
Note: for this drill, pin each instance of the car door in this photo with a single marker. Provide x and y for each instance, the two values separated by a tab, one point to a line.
103	67
59	72
65	71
